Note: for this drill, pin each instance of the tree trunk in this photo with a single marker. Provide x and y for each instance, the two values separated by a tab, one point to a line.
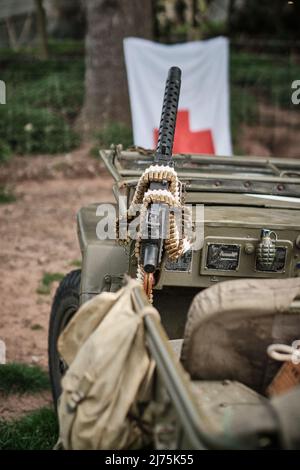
106	90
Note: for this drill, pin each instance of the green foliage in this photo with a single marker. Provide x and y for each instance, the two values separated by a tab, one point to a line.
257	77
46	282
36	327
55	92
267	75
115	133
35	431
179	32
49	278
43	101
34	130
57	49
243	110
18	67
5	151
76	262
67	47
6	196
212	28
262	18
21	378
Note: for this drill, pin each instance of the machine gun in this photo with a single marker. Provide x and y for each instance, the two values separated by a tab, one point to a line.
152	247
155	224
158	197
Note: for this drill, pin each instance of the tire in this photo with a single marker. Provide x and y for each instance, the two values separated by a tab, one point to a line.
64	306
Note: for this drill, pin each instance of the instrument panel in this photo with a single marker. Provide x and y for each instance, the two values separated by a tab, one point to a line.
254	254
240	258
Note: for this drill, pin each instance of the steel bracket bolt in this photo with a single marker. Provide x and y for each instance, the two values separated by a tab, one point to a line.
249	248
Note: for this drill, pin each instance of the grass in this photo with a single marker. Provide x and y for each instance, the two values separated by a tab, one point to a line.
22	378
61	92
33	130
6	195
5	151
57	49
77	263
36	327
114	133
35	431
43	100
46	282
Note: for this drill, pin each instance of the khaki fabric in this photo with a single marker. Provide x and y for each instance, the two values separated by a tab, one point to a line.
230	326
109	374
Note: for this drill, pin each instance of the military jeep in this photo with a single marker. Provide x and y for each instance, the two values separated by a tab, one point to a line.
246	212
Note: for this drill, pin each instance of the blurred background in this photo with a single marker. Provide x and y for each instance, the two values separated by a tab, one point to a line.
62	62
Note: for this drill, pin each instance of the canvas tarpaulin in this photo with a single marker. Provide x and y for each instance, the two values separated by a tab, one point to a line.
109	374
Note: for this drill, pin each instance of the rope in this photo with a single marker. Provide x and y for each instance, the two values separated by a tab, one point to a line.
283	352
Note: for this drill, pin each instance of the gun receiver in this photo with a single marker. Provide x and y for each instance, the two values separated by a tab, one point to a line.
156	218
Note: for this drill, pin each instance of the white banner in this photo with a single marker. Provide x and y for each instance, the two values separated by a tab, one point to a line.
203	123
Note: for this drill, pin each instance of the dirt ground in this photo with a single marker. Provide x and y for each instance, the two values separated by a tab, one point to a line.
16	405
38	235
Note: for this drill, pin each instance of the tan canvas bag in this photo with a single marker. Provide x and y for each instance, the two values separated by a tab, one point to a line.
109	375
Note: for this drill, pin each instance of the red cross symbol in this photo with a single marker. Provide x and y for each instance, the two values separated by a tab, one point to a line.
187	141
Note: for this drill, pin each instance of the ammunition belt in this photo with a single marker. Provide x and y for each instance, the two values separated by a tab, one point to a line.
175	245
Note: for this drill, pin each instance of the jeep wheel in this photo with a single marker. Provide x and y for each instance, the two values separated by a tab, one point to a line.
65	305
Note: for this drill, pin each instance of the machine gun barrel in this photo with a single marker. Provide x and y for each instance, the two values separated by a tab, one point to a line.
167	126
152	248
